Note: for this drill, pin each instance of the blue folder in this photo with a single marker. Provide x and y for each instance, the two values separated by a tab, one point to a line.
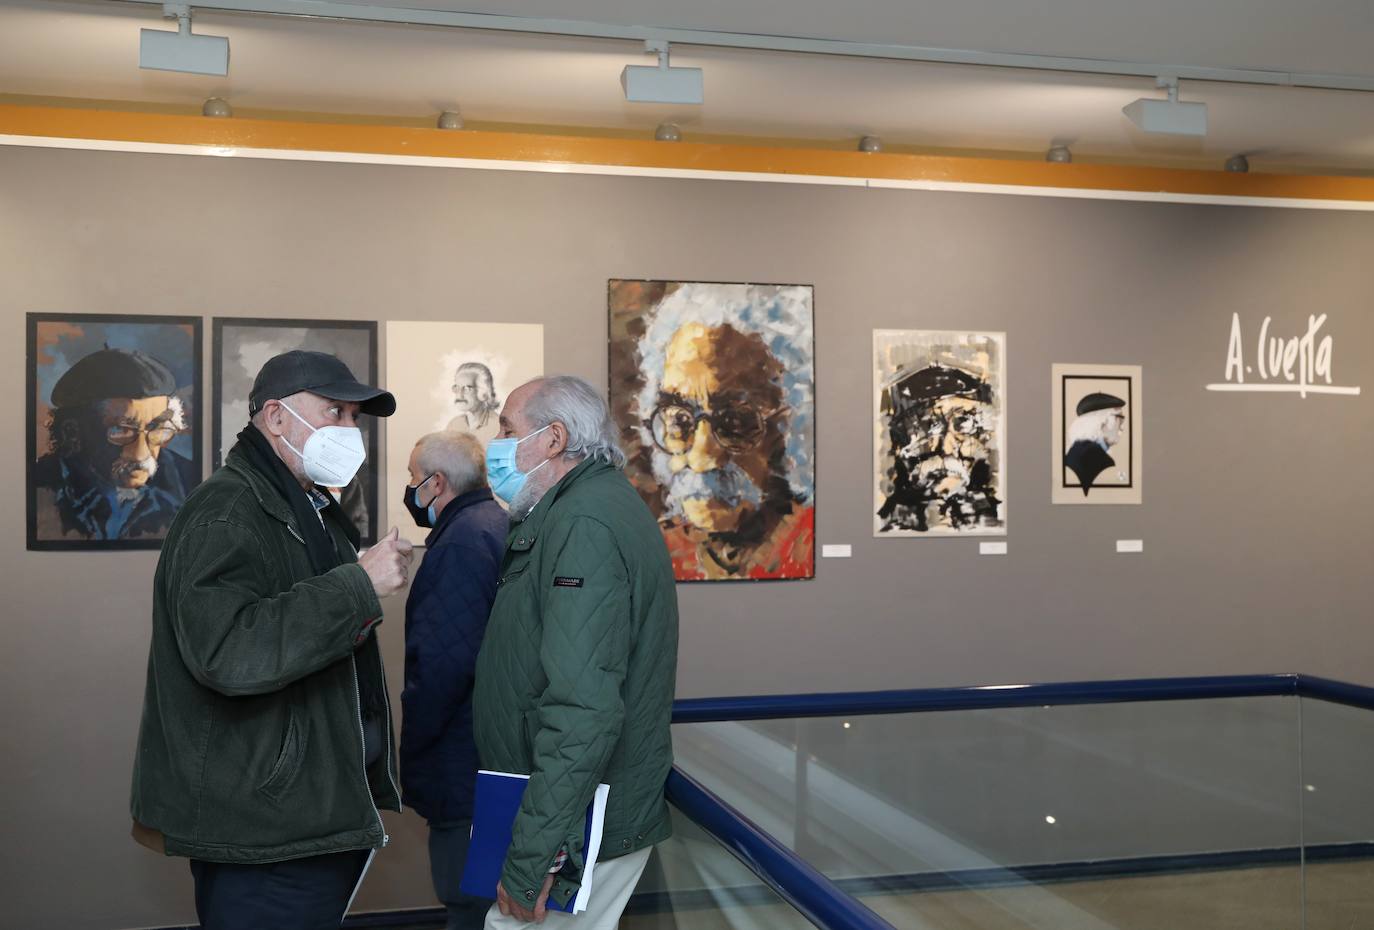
495	805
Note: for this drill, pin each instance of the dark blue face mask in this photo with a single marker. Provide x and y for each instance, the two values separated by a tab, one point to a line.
423	516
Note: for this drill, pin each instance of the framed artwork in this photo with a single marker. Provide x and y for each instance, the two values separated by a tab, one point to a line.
713	389
113	427
1097	440
450	376
240	346
939	433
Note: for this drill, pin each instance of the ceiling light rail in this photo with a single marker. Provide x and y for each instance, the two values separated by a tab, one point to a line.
341	10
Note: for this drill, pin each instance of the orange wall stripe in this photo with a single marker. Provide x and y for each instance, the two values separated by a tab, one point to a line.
159	128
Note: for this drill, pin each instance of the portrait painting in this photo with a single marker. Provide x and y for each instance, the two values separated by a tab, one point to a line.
239	349
113	432
939	433
712	387
450	376
1097	440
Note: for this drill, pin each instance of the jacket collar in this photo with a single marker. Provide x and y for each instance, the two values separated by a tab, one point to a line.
450	511
268	496
524	533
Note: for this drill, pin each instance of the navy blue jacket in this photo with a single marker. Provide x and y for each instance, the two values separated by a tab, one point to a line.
446	615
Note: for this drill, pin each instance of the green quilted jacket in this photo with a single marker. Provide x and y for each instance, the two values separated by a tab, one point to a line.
576	675
251	745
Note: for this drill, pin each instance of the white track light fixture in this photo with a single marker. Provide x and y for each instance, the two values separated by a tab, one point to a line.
662	84
181	50
1171	116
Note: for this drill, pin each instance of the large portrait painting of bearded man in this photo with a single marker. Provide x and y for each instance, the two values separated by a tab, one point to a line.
113	428
713	389
939	434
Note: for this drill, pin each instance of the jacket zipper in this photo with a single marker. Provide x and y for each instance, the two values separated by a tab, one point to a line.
362	735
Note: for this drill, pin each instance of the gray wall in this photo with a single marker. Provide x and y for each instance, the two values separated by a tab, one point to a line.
1256	516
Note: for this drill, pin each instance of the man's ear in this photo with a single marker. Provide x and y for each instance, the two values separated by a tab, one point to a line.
272	415
558	438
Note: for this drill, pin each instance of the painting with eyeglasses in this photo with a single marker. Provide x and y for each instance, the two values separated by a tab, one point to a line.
1096	445
113	433
939	433
713	389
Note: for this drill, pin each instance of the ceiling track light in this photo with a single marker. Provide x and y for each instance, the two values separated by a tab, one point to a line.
182	50
1059	155
663	84
1168	117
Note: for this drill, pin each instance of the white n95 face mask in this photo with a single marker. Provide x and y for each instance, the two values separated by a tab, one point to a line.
332	455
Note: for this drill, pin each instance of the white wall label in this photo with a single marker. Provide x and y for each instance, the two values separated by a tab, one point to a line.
1130	545
836	551
1291	365
992	548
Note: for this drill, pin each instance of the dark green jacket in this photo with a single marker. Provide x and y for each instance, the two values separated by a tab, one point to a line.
251	745
576	675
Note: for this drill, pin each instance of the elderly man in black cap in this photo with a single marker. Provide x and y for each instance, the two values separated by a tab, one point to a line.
1095	429
110	474
940	429
266	748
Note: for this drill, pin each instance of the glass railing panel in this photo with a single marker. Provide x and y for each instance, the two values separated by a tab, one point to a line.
693	882
1337	796
1097	816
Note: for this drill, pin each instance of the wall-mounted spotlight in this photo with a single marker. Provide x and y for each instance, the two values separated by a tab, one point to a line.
1171	116
1238	164
218	107
662	84
450	119
668	132
181	50
1059	155
870	144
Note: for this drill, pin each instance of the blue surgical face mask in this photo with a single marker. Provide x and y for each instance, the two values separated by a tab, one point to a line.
505	478
424	516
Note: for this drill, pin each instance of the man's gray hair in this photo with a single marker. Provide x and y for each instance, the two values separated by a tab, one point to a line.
581	409
780	315
456	455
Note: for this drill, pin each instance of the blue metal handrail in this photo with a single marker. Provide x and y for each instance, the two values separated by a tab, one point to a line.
858	703
806	889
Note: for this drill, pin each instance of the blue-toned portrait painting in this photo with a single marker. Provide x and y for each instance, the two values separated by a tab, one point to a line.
114	442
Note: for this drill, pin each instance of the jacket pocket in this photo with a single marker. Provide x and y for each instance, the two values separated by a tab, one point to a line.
288	764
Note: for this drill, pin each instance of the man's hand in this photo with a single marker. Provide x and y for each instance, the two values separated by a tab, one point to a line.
510	907
387	563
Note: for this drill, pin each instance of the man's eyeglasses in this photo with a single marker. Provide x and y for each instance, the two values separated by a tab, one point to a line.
737	427
159	434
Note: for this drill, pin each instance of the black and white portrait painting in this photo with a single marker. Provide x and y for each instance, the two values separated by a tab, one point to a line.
242	346
939	433
1096	447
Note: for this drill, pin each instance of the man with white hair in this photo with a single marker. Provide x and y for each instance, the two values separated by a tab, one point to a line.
726	412
576	675
446	615
1095	430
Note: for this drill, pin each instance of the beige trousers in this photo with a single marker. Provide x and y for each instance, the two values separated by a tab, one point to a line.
612	884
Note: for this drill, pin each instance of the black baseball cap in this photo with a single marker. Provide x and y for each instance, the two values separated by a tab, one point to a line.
318	373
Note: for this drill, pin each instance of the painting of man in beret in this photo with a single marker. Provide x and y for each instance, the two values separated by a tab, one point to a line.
113	435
